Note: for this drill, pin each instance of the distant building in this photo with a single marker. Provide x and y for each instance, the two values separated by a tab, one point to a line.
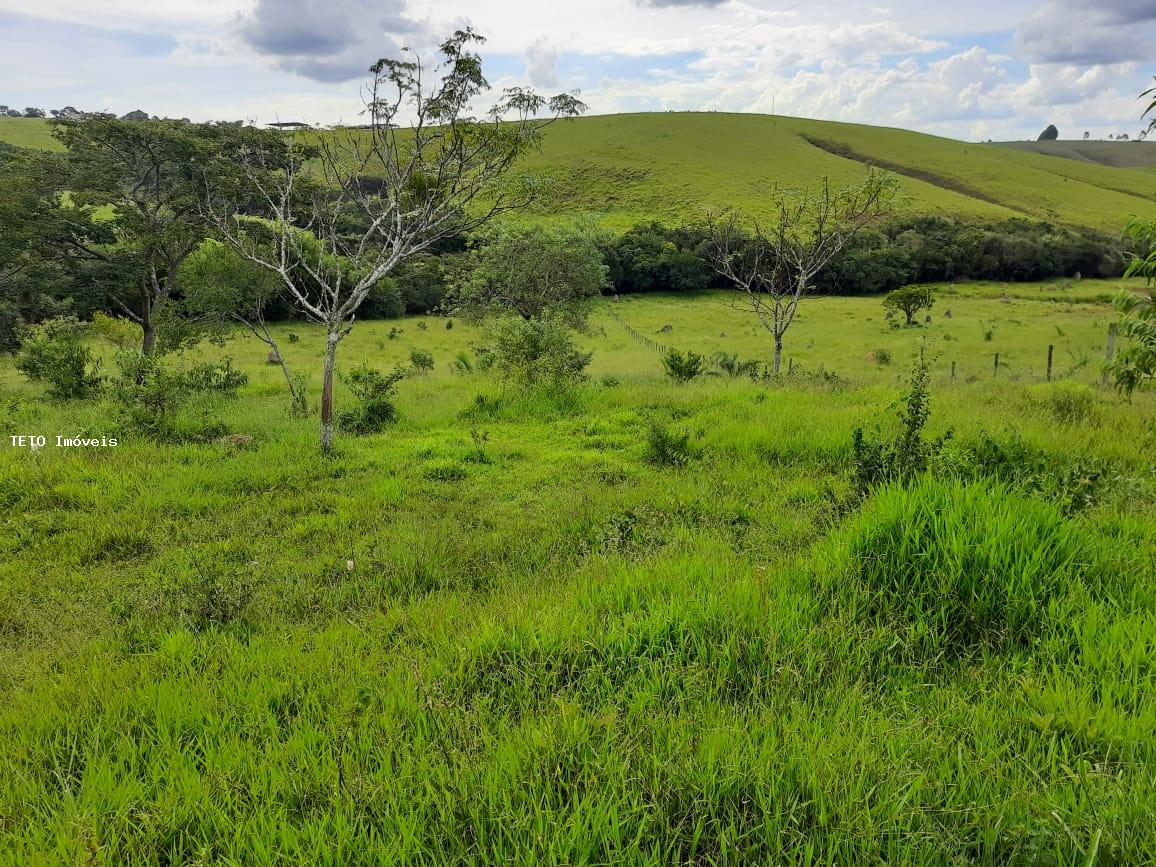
290	124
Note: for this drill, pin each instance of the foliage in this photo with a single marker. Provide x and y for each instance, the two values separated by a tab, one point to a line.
531	270
55	353
909	454
730	364
1072	485
1134	367
1066	402
667	448
1141	234
421	361
683	366
375	391
909	300
650	257
775	267
1049	134
530	351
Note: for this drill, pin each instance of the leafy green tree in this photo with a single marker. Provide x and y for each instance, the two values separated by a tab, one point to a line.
531	271
1135	365
909	300
1049	134
48	254
143	177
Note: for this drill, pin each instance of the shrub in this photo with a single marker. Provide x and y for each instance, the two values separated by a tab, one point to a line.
683	367
54	353
219	376
539	349
1073	485
1066	401
665	448
421	361
730	364
149	394
375	391
908	454
121	333
882	357
950	566
462	363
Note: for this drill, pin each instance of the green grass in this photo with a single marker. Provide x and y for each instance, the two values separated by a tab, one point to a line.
678	166
1117	154
498	633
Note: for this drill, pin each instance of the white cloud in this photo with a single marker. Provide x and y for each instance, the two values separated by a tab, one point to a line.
928	66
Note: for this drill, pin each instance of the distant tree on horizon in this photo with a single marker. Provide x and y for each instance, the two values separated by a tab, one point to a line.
1049	134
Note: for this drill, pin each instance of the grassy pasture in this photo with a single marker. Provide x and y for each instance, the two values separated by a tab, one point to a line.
497	634
677	166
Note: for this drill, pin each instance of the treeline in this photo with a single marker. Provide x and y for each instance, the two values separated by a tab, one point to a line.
652	257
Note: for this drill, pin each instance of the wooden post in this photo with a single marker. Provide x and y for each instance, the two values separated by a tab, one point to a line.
1110	354
953	371
995	366
1051	349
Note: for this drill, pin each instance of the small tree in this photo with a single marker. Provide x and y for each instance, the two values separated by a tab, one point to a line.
1049	134
910	300
372	198
775	266
530	271
532	283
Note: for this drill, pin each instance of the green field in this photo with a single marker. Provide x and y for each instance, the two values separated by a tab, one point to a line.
500	633
677	167
1116	154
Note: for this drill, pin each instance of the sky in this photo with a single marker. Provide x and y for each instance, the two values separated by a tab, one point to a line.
976	70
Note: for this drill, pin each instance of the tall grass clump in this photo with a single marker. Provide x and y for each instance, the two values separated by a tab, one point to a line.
952	567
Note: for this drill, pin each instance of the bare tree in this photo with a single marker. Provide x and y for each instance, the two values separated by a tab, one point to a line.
341	213
775	265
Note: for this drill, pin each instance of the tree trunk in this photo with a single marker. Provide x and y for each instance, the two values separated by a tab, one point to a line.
327	391
778	351
149	338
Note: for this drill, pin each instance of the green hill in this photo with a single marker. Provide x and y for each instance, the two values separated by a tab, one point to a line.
1117	154
676	167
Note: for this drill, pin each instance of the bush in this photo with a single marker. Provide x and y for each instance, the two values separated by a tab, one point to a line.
149	393
950	566
375	391
1072	484
54	353
882	357
683	367
215	376
421	360
730	364
908	455
1067	402
534	350
665	448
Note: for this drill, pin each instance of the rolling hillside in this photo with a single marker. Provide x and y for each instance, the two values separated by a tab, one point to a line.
676	167
1116	154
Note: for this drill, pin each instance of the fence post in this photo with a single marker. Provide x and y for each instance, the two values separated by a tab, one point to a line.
1110	354
1051	349
953	371
790	365
995	366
